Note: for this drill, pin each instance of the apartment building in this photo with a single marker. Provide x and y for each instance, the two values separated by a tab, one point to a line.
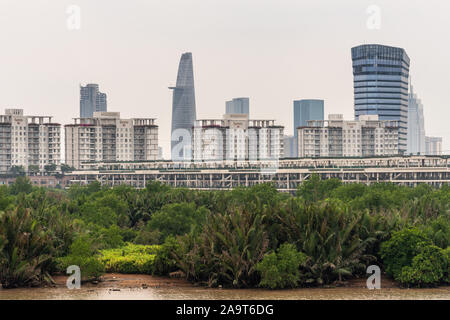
28	141
235	137
107	137
337	137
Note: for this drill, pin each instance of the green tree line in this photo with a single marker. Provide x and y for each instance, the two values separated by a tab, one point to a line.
326	233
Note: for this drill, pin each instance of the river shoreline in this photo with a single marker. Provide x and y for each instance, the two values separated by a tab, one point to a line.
145	287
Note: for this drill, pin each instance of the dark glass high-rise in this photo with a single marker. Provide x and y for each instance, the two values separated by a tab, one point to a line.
380	81
91	100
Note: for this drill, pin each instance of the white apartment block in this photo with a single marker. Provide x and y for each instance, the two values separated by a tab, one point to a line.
337	137
107	137
235	137
28	140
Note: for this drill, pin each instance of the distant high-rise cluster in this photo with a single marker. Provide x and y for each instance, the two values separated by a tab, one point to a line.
92	100
388	120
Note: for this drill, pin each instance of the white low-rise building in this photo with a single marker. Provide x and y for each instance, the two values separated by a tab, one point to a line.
107	137
337	137
28	141
235	137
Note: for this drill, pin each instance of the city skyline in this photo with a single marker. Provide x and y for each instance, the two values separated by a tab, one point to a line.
135	60
184	108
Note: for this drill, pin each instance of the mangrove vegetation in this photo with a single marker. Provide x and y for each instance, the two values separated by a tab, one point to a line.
325	234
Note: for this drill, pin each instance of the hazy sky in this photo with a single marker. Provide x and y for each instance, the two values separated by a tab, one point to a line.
273	51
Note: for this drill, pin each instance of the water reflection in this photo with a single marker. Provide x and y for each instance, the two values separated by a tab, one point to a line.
174	293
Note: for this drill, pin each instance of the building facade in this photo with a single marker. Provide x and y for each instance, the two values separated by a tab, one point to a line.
416	125
28	141
183	109
290	147
336	137
92	100
107	137
235	137
304	111
433	146
380	80
238	106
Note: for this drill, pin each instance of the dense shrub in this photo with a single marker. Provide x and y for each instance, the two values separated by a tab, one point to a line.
165	261
439	231
315	189
281	269
145	235
6	200
129	259
428	267
400	250
110	237
446	253
177	219
21	185
82	254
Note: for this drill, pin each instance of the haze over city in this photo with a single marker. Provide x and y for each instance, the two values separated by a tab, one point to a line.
271	51
200	154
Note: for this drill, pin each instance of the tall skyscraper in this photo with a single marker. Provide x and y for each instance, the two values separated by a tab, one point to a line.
416	126
183	109
380	80
91	100
238	106
305	110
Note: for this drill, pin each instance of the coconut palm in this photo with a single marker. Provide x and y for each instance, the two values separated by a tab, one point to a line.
227	250
25	249
328	233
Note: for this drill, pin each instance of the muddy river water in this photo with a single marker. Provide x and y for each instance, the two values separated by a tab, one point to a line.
139	287
213	294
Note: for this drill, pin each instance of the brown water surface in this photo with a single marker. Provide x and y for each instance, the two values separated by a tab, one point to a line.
141	287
